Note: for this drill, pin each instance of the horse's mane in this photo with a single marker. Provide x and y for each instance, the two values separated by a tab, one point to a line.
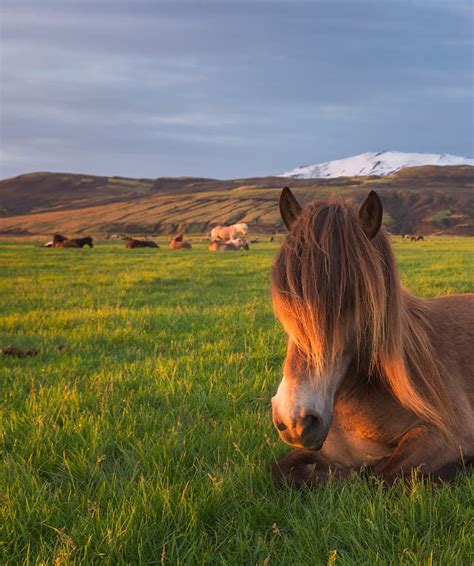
328	270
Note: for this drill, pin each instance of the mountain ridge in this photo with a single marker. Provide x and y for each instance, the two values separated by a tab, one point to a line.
380	163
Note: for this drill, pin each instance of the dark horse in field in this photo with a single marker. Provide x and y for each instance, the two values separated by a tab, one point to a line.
412	237
374	377
133	243
62	242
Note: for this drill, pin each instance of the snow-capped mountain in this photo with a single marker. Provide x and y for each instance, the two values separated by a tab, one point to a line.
382	163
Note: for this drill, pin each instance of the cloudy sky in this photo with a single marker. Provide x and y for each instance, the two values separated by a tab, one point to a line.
230	88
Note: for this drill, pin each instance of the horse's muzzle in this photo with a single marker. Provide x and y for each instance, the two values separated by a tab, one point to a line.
306	432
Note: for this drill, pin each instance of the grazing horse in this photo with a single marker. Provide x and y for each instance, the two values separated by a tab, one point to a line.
177	243
229	232
133	243
60	241
229	246
374	376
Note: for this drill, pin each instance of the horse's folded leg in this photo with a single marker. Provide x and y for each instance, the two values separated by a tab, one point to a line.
421	452
305	469
450	472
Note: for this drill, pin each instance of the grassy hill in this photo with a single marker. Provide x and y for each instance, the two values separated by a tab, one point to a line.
425	200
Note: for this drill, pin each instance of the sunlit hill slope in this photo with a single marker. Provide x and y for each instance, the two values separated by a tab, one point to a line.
425	200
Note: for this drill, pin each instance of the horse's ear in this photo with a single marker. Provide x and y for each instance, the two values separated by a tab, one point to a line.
290	208
370	214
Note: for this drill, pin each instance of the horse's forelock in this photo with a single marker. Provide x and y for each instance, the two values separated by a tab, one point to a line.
326	274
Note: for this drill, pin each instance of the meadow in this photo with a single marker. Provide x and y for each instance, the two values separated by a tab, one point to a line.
141	432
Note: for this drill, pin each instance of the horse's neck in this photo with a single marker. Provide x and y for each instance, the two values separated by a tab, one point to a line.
416	315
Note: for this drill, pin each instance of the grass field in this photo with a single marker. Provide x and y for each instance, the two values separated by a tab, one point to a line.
141	432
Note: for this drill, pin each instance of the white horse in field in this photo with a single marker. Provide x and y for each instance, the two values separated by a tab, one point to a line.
229	232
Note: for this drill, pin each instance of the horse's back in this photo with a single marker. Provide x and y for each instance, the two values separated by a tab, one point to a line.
69	244
132	243
454	314
452	334
458	309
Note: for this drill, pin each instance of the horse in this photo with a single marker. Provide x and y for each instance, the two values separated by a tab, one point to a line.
239	243
133	243
60	241
229	246
178	243
229	232
374	377
412	237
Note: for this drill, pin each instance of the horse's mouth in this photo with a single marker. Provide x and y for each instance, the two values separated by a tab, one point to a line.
301	443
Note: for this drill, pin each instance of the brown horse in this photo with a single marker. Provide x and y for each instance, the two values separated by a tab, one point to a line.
60	241
374	376
133	243
228	246
178	243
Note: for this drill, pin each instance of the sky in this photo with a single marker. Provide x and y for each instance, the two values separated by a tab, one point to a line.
230	89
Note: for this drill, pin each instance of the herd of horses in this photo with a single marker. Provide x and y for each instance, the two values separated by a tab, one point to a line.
374	378
223	239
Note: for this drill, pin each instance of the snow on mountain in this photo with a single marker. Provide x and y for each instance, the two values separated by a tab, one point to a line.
382	163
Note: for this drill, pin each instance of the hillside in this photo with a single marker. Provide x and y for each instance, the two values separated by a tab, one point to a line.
426	200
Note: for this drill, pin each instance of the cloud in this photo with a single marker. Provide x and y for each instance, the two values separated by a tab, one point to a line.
192	119
228	87
342	112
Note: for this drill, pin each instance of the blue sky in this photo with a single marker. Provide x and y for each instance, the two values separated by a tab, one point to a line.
230	88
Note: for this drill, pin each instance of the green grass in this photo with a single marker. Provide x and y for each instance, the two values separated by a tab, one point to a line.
141	433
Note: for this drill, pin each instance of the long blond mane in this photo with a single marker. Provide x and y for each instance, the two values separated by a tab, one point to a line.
327	278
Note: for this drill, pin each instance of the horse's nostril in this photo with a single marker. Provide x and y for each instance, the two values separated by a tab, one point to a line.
280	426
310	424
